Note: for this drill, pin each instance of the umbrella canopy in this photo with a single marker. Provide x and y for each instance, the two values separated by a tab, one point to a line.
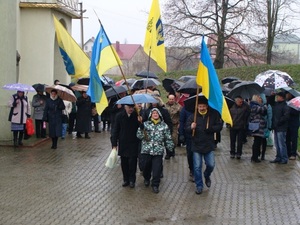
171	85
290	90
187	78
144	83
246	90
85	81
144	91
190	87
191	102
18	87
130	81
107	80
63	92
146	74
39	87
294	103
79	87
229	101
226	80
233	83
138	98
115	90
274	79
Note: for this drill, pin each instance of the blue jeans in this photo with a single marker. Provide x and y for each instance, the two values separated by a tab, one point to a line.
281	150
209	160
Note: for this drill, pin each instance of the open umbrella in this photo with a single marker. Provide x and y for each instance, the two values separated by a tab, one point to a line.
18	87
115	90
171	85
233	83
144	83
290	90
146	74
79	87
130	81
190	87
191	102
294	103
274	79
138	98
246	90
186	78
226	80
63	92
85	81
39	87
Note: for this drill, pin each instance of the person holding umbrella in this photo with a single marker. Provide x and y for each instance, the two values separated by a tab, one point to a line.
84	116
19	112
202	125
53	115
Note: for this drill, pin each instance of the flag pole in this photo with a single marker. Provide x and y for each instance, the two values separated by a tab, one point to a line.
129	90
196	109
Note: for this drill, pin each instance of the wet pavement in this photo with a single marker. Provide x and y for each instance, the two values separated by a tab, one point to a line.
71	185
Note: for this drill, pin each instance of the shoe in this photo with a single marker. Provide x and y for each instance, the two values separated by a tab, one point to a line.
52	147
125	184
79	136
198	191
161	175
131	184
155	189
20	143
255	160
274	161
262	158
238	156
207	182
292	157
283	162
232	156
62	138
98	131
167	157
147	183
87	137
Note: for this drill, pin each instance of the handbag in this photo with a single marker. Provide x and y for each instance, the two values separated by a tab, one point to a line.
253	126
112	159
29	127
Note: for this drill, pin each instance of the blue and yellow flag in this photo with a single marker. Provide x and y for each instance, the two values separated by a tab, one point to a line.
154	45
103	58
76	61
211	89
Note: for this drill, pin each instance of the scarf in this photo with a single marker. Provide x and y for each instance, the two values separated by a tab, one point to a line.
155	121
53	98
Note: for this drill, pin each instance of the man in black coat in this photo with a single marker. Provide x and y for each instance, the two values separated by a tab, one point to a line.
124	139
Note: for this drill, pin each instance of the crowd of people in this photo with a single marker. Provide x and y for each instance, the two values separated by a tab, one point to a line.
146	135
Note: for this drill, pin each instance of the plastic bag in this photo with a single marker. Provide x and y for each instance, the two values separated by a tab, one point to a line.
29	127
112	159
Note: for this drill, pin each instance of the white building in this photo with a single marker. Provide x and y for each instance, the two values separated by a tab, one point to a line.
29	30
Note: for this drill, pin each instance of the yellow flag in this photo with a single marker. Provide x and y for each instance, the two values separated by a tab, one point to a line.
76	61
154	45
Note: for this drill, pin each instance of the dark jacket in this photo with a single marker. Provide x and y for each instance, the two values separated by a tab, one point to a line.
123	134
257	115
280	119
240	116
203	139
84	115
294	118
184	115
53	115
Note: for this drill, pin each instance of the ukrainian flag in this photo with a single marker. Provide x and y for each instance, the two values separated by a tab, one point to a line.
103	58
76	61
154	44
211	89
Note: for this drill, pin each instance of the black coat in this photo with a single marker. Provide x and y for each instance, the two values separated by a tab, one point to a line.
84	115
203	139
280	116
53	115
123	134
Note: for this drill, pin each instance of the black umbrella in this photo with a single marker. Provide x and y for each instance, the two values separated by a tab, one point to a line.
39	87
290	90
191	102
86	81
246	90
229	102
146	74
144	83
171	85
226	80
190	87
233	83
115	90
187	78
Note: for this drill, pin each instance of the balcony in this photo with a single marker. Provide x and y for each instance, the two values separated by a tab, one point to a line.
68	7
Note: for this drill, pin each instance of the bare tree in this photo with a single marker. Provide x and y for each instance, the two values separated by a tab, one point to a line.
224	22
273	17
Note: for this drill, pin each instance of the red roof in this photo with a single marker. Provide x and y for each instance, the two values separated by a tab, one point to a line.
126	51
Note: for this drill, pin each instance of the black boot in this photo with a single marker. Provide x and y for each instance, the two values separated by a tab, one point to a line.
21	133
15	133
263	152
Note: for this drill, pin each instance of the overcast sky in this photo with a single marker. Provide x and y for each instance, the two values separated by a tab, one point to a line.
123	20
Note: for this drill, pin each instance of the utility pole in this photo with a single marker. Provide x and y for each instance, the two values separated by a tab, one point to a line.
81	24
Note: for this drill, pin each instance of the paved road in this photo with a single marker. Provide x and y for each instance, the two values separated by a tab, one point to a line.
70	185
